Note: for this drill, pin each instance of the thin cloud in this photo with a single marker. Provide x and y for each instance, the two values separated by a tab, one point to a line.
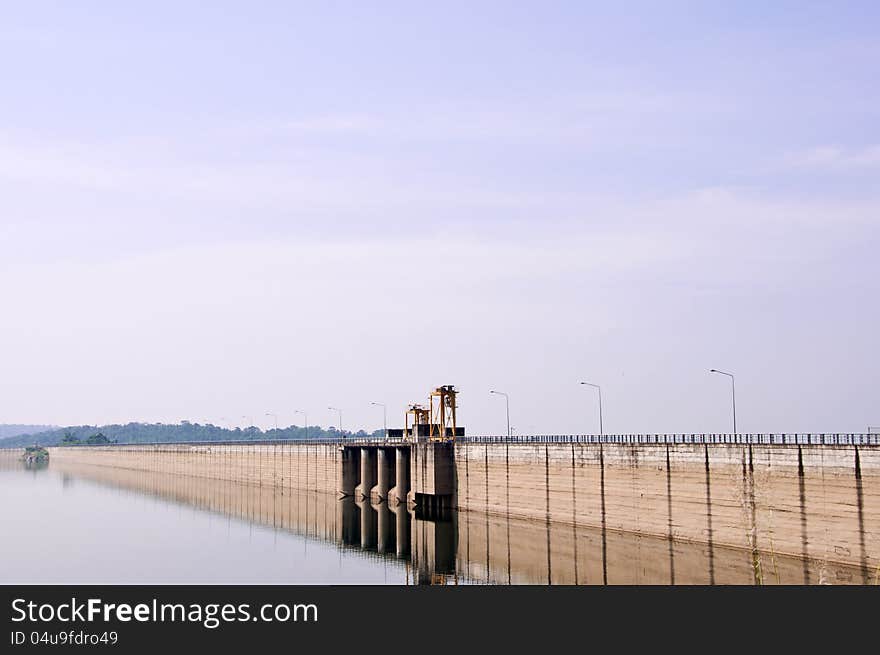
835	158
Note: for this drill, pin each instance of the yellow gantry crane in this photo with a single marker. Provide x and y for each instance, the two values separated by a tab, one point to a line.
442	404
437	421
420	416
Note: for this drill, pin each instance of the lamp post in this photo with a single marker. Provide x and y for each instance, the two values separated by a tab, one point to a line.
599	389
732	392
336	409
507	405
306	417
384	417
275	416
249	420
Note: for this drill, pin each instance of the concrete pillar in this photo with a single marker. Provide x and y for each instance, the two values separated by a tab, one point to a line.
368	473
349	470
403	522
402	477
386	528
369	526
348	522
384	470
421	557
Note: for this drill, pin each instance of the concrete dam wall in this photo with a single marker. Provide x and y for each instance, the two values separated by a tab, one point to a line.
817	504
10	458
300	467
466	546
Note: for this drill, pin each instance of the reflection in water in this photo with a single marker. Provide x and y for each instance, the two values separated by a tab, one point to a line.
10	463
446	548
429	545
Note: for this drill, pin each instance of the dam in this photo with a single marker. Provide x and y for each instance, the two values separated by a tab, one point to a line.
805	506
548	509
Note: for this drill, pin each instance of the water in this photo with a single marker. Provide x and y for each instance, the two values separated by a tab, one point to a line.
105	525
61	528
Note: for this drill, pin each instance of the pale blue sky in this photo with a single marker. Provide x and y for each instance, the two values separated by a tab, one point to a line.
508	195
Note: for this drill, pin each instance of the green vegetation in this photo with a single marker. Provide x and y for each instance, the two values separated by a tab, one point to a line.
35	455
169	433
94	440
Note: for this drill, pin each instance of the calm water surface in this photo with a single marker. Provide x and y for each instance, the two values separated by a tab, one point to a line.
60	528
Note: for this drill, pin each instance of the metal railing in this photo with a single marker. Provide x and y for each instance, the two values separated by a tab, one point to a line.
782	439
348	441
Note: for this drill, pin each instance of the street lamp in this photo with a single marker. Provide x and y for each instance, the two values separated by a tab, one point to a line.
250	421
507	405
596	386
306	417
335	409
732	391
384	417
275	416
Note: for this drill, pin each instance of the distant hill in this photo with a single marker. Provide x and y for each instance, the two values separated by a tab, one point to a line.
13	430
168	433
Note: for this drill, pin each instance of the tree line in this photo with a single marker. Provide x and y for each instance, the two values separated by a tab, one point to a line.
133	433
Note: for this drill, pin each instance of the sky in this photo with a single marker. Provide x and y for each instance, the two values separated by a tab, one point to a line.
215	213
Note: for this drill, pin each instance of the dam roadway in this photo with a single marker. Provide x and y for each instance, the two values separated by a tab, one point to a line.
806	501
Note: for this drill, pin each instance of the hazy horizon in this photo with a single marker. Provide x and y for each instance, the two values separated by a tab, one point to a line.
224	212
